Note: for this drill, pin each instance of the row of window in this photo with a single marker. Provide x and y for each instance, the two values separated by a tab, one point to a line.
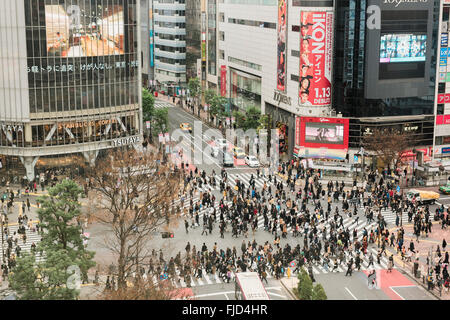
253	23
170	1
170	60
164	36
72	133
165	12
171	49
83	97
243	63
165	24
169	73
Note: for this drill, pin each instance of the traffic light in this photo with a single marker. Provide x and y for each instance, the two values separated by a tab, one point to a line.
166	235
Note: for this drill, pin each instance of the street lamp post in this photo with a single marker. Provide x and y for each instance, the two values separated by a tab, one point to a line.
414	161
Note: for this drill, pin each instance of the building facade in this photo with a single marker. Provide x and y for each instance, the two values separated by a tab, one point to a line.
385	67
169	21
442	101
258	60
70	78
265	59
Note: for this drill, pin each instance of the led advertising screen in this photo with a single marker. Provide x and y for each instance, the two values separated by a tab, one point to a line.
316	53
74	32
326	133
403	48
325	138
281	45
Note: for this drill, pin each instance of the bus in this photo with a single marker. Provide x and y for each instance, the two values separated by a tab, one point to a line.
249	287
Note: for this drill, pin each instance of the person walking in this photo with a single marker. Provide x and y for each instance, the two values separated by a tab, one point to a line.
349	267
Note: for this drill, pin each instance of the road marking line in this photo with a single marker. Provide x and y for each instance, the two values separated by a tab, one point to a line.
392	288
351	293
276	295
226	296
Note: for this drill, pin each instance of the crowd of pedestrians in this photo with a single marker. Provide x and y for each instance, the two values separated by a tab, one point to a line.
300	207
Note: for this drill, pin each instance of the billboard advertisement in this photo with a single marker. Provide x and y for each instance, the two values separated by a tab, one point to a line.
282	48
321	137
316	53
223	81
403	48
444	39
74	32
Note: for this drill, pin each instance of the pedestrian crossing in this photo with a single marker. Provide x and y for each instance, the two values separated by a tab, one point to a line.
243	178
163	104
211	279
31	237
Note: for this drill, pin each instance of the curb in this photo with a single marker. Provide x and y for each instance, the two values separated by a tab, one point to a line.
289	291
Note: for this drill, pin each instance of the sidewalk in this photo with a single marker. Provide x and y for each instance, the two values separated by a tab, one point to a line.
422	249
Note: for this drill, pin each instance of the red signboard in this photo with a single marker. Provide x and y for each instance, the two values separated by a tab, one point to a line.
297	131
443	119
441	98
223	81
316	44
330	133
281	40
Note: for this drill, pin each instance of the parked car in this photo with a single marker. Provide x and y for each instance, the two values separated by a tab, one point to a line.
252	161
228	160
445	189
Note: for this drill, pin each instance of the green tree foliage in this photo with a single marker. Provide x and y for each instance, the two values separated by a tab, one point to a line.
194	87
305	289
63	247
305	286
253	118
209	96
161	120
319	293
148	105
239	119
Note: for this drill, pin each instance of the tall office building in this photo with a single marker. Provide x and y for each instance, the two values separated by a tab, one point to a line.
385	67
70	79
169	27
442	125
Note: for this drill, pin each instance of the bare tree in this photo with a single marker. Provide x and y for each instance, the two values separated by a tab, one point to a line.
146	289
388	144
133	192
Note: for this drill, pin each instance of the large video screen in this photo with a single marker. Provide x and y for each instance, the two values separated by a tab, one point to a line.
324	133
403	48
73	31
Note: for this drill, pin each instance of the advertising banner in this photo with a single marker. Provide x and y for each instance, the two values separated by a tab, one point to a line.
441	98
152	61
223	81
282	46
322	138
444	39
316	41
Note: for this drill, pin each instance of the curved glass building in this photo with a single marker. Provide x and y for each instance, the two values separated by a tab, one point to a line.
69	78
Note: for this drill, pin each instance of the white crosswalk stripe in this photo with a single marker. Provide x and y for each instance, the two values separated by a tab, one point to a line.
31	237
162	104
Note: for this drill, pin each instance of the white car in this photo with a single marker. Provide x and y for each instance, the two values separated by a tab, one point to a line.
221	143
215	151
251	161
